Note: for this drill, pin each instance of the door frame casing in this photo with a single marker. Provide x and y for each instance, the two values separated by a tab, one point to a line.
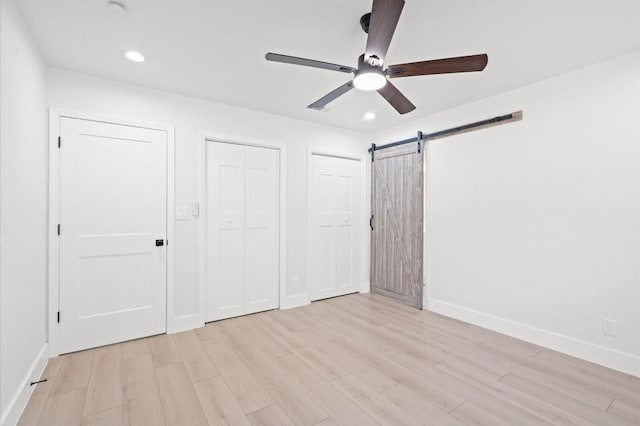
282	212
364	285
55	116
426	236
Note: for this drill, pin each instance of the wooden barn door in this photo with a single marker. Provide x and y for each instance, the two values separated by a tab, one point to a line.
397	228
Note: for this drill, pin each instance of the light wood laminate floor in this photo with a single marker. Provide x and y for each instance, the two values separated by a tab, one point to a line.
352	360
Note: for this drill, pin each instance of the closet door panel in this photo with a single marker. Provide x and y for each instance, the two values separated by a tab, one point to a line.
334	226
348	225
225	233
322	232
262	176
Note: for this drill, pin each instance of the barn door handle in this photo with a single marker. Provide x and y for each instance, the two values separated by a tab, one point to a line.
371	222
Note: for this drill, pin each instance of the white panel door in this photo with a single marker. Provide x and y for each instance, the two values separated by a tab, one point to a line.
242	222
334	226
322	232
113	203
225	266
262	248
348	226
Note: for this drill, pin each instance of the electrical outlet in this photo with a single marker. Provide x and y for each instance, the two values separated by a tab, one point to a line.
295	283
609	327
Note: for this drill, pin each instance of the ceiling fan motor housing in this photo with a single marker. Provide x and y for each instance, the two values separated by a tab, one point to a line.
369	75
364	22
369	65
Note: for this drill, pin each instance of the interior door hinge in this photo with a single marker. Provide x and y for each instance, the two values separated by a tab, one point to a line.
58	229
58	316
59	141
371	222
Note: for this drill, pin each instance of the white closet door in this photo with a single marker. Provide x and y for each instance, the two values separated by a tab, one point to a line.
113	204
242	221
334	226
348	229
262	229
322	232
225	266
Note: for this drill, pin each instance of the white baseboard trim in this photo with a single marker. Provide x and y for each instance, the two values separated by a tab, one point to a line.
18	402
617	360
295	301
366	287
185	323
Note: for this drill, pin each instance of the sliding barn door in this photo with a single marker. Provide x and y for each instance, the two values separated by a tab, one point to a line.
397	234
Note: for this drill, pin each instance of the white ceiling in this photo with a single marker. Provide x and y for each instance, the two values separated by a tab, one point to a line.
214	49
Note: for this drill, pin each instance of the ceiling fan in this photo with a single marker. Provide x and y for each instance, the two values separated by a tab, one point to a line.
371	74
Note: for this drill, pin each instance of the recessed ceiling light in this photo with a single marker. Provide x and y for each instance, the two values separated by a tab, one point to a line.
134	56
117	7
369	116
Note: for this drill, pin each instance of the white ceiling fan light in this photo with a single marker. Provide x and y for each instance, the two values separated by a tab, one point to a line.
369	80
134	56
369	75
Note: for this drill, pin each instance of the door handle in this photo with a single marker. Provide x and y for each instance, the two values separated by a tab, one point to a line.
159	243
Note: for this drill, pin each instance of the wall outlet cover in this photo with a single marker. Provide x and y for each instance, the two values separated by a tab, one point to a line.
609	327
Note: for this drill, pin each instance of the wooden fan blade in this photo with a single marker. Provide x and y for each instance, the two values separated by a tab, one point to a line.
323	101
276	57
439	66
396	98
382	25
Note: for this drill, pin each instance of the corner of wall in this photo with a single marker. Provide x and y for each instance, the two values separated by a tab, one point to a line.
24	183
20	399
617	360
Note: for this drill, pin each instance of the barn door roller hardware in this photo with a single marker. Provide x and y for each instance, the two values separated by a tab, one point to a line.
502	119
417	140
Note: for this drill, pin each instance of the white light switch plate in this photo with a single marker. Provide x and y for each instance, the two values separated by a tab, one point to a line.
182	213
195	209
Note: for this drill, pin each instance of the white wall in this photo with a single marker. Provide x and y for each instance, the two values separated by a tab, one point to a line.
191	117
23	208
535	225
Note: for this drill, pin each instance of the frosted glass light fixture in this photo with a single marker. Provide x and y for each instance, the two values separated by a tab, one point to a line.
369	80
